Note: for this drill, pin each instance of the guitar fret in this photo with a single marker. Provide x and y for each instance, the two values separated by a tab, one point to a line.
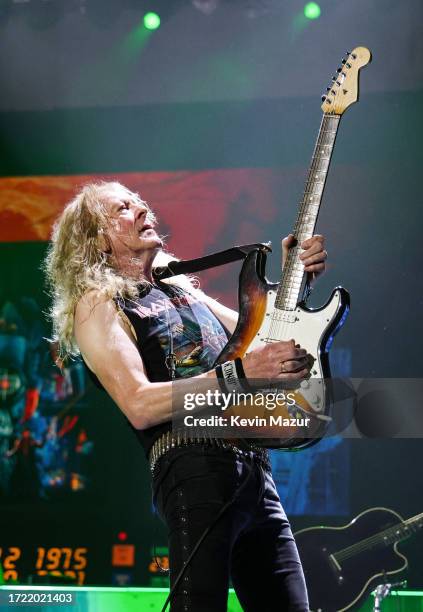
291	287
288	294
293	273
388	536
294	286
314	189
314	207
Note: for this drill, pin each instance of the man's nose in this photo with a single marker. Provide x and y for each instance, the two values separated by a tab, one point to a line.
140	210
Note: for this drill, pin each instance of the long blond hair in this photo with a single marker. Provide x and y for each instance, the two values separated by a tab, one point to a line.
76	261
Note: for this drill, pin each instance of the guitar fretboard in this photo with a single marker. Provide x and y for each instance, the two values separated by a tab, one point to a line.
389	536
402	530
293	274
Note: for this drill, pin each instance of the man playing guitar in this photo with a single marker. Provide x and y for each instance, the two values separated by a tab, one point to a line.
128	327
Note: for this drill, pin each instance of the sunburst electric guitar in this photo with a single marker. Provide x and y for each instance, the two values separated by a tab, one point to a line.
270	312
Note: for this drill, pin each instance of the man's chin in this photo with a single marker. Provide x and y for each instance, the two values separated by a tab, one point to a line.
159	242
152	242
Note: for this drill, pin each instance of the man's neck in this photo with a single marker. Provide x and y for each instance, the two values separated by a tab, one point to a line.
136	266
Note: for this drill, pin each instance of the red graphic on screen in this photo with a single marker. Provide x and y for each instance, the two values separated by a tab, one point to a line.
205	200
198	212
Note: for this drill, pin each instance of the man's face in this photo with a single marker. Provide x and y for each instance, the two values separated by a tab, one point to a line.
131	224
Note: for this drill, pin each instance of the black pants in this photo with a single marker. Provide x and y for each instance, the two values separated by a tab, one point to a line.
251	543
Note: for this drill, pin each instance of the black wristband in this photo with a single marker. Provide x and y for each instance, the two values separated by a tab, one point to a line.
231	377
241	376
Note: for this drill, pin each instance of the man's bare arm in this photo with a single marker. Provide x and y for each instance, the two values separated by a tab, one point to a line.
109	350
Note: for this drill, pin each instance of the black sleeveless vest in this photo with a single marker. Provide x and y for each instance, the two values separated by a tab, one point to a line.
168	319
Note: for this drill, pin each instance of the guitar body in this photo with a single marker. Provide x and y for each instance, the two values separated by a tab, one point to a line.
312	329
337	582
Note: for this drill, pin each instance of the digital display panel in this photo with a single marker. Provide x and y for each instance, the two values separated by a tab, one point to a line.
67	562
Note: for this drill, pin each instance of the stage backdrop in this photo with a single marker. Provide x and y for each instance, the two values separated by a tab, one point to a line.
75	486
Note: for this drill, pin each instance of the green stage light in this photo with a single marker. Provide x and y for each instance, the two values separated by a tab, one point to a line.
312	10
151	21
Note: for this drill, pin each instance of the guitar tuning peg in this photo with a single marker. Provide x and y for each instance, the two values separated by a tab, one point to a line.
334	78
348	53
339	70
323	98
344	61
328	88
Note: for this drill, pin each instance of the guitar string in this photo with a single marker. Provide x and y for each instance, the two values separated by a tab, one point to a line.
291	261
276	329
326	138
309	208
349	551
368	542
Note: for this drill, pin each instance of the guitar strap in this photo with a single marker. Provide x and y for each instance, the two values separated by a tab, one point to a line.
188	266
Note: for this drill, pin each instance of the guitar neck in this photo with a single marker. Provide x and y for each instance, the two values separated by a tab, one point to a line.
292	280
403	530
391	535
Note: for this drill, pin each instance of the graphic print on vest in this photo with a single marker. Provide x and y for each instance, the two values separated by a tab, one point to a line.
173	315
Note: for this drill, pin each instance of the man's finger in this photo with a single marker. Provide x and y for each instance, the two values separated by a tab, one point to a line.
294	375
288	241
316	247
319	267
317	238
319	257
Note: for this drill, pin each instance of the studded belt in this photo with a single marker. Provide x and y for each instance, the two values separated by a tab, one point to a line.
170	440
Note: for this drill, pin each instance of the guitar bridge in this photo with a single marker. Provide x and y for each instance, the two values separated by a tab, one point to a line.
336	568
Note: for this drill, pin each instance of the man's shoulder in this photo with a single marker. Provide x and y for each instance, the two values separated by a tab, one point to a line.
94	304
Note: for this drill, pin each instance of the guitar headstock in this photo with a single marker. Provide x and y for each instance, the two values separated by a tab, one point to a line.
344	88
